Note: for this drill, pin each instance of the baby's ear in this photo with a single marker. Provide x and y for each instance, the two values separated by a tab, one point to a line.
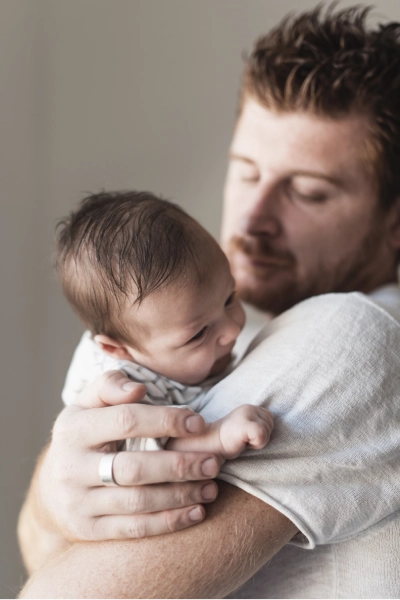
112	347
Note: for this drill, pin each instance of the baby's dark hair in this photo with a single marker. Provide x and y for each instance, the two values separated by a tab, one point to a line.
123	243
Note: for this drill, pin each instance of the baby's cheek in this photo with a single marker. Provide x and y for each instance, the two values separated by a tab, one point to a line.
201	364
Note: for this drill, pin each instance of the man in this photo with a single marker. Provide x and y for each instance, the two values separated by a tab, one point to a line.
311	206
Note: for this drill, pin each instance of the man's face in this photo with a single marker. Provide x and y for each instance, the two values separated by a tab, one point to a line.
301	212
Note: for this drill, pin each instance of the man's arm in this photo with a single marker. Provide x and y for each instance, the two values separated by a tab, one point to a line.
240	534
38	539
66	502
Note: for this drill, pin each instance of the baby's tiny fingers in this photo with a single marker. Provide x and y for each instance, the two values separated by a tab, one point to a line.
266	415
258	435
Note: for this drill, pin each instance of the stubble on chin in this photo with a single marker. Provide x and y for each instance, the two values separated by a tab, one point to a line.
276	290
259	248
268	288
272	299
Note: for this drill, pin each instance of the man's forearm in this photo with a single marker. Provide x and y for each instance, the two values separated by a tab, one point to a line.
39	542
210	560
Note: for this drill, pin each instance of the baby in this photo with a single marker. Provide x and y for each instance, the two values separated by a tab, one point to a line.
157	295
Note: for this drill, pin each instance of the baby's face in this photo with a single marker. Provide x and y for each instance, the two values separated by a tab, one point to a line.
190	332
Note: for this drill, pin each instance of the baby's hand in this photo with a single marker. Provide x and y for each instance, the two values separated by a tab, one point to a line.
246	427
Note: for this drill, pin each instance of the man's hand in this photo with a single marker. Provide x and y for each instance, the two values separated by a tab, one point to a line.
67	498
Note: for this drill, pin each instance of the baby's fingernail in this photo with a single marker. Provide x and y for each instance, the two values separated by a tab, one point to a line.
194	424
130	386
196	514
209	491
210	467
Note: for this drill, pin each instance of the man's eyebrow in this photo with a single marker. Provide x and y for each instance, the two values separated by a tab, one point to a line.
234	156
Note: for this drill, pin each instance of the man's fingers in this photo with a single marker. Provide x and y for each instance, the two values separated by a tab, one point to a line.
144	468
139	526
101	425
113	387
148	499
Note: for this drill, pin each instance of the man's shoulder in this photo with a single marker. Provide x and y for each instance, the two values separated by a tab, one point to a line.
343	305
388	298
332	316
354	310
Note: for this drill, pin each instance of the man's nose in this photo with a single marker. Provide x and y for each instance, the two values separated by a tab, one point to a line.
263	215
229	331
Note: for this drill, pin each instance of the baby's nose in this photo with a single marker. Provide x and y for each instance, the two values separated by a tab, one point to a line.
229	332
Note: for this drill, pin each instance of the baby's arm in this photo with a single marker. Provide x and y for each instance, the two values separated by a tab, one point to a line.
245	427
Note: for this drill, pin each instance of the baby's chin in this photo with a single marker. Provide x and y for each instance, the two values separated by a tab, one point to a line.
217	368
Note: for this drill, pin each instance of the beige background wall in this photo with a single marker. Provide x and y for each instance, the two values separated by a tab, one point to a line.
99	94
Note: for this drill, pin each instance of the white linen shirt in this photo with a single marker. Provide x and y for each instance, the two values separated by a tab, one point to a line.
329	370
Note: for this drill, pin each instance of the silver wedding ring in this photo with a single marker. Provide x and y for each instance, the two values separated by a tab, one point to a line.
106	469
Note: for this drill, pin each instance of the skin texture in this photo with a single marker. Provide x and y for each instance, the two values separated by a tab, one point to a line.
191	571
305	236
301	213
65	502
246	427
190	330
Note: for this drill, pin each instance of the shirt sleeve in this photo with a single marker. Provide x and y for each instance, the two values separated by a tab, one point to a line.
329	371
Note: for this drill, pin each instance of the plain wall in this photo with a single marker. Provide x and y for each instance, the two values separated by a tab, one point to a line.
99	94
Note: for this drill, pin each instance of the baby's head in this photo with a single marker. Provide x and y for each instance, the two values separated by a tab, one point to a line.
150	283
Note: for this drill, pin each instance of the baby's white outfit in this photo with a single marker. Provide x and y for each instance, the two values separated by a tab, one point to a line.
89	362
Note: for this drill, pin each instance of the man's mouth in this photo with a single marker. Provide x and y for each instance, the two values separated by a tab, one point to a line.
260	262
253	255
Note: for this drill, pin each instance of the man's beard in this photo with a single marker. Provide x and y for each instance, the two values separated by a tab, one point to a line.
276	289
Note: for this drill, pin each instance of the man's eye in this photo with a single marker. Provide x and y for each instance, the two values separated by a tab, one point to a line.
198	335
230	299
310	197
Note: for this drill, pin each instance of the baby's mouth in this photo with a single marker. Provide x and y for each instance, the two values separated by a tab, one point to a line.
220	365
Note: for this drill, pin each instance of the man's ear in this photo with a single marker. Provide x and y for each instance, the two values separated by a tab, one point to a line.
394	224
112	347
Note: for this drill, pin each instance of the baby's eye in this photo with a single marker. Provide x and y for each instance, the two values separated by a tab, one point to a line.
230	299
198	335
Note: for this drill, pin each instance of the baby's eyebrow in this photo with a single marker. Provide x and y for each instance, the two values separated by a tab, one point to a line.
191	328
186	334
195	323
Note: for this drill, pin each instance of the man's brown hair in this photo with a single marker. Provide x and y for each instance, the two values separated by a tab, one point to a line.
329	63
124	245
